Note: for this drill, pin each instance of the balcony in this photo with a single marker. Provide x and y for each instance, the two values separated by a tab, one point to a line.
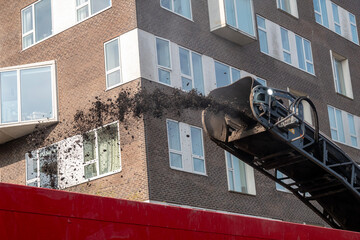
27	99
233	20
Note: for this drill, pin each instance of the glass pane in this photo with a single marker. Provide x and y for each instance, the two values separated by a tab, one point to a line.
235	74
300	52
229	161
198	73
263	42
166	4
340	126
9	102
48	167
335	13
80	2
316	5
108	147
90	171
351	124
36	93
112	55
222	73
230	12
175	160
354	34
163	53
339	77
245	16
199	165
334	135
174	135
113	78
28	40
98	5
310	67
33	184
285	5
31	165
196	142
185	61
332	117
164	76
308	54
324	13
278	186
285	39
239	175
43	21
354	142
231	180
182	7
261	22
83	13
287	57
89	146
318	18
186	84
337	29
27	23
261	81
352	18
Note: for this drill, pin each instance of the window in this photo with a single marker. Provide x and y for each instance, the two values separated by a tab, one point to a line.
101	151
321	15
341	74
353	137
225	75
186	150
336	125
261	81
286	45
262	35
240	175
181	7
304	53
191	71
289	6
163	60
36	22
280	175
27	94
337	25
354	33
86	8
239	14
41	167
112	63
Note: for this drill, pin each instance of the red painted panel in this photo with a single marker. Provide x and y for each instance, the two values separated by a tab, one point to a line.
35	213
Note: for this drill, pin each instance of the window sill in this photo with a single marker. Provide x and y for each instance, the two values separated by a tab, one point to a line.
289	14
344	96
242	193
183	170
190	19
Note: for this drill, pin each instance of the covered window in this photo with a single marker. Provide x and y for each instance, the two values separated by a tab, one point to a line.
163	60
181	7
341	74
262	35
101	151
289	6
112	63
304	52
27	94
186	149
41	167
87	8
36	22
239	14
240	175
191	71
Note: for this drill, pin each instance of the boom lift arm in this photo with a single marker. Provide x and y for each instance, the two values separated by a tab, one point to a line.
258	126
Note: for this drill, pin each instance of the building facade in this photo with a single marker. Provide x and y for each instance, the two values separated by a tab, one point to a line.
59	57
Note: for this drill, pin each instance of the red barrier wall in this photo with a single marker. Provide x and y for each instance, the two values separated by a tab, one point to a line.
36	213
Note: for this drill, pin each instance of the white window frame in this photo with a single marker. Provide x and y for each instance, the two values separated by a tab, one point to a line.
96	160
336	24
320	13
191	68
172	10
89	10
34	25
249	175
50	64
354	25
236	18
336	128
230	70
306	60
266	33
352	135
186	158
164	68
283	49
107	72
346	74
